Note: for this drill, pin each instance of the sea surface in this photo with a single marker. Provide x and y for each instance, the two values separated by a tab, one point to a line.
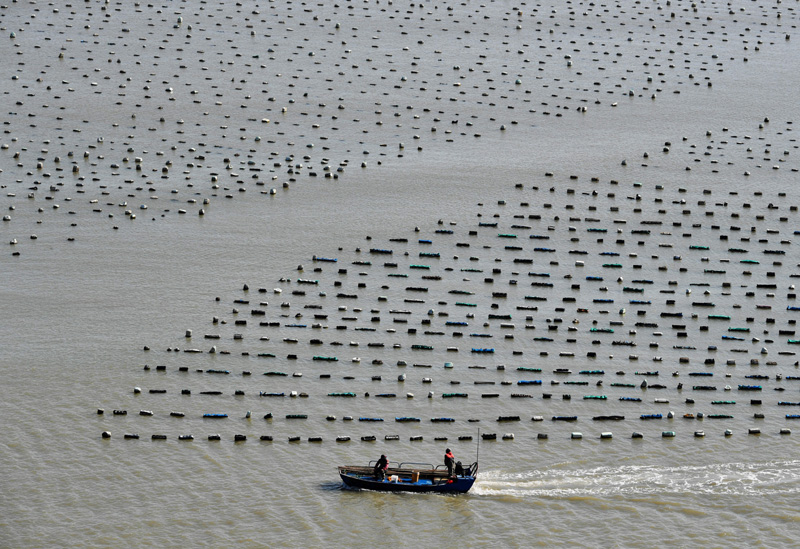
589	195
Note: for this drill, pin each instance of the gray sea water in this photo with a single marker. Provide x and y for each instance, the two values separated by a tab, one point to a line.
453	134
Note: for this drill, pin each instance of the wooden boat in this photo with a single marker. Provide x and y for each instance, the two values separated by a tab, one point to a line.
409	477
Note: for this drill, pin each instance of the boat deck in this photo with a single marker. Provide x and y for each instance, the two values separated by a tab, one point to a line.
402	472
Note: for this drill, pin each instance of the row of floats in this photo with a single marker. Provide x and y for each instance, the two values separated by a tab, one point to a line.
431	394
605	435
501	419
317	317
343	438
513	236
546	339
498	368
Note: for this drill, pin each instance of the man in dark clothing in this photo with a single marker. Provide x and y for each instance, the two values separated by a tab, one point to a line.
381	466
449	461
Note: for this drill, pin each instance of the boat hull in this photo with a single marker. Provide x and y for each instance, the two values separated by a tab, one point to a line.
458	485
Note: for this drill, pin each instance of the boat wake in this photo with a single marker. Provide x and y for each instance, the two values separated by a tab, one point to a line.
776	477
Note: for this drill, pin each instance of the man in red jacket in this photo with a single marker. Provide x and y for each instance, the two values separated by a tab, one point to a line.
449	461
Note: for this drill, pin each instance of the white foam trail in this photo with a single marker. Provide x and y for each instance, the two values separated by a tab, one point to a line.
776	477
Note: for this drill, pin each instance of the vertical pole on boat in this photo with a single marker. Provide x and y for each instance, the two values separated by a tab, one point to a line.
478	448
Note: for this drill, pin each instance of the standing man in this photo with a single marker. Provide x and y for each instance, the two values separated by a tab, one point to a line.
449	461
380	467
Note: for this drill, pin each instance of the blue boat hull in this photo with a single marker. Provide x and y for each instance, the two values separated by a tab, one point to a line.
458	485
